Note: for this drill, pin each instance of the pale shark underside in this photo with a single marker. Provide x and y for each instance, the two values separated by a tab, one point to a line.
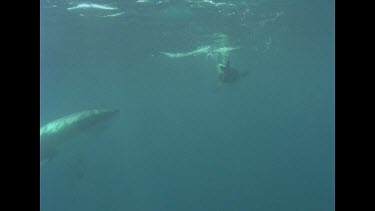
60	132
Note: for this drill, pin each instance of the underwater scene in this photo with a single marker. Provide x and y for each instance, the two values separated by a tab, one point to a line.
187	105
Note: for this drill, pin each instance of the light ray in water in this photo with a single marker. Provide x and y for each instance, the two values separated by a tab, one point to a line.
91	6
113	15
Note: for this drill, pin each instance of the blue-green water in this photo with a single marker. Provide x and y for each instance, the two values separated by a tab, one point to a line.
265	142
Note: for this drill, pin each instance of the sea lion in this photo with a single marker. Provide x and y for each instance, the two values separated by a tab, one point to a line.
227	74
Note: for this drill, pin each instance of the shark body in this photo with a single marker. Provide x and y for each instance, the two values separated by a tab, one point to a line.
60	132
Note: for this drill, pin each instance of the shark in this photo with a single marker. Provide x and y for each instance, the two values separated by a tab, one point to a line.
57	134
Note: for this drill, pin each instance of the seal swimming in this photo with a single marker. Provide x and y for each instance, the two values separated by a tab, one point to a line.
228	74
58	133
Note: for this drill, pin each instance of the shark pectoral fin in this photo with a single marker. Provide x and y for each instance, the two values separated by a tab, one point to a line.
43	162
